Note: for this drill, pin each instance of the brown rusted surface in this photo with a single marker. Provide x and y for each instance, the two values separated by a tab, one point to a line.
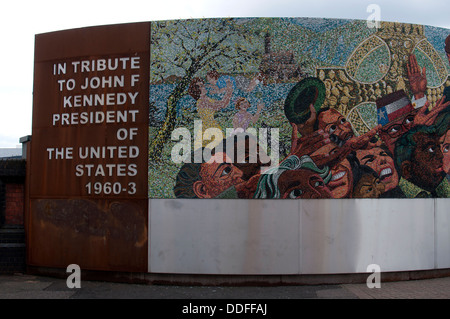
95	234
68	220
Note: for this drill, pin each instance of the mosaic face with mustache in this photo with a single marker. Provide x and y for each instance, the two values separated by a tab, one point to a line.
334	123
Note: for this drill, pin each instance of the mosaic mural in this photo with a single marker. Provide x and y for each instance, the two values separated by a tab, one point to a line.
298	108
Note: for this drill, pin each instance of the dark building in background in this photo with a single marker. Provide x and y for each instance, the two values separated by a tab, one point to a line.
12	210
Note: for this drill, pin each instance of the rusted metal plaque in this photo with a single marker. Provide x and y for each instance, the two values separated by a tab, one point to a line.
88	172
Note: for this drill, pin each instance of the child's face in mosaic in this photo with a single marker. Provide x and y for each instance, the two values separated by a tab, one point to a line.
244	105
368	187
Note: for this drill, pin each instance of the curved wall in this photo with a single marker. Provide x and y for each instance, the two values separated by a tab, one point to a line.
262	237
116	181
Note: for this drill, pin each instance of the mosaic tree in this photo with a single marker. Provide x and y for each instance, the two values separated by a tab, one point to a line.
183	49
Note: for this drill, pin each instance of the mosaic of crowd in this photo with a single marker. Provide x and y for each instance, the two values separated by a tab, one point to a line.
405	156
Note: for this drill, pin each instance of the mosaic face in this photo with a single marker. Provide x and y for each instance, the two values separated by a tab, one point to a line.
369	186
427	161
302	183
334	123
217	175
382	163
445	149
391	132
341	183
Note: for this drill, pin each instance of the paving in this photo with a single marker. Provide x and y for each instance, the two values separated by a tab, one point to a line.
23	286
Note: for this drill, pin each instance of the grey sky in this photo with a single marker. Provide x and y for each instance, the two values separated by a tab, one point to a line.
21	20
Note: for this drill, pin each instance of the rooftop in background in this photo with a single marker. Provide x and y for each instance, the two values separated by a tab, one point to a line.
11	153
